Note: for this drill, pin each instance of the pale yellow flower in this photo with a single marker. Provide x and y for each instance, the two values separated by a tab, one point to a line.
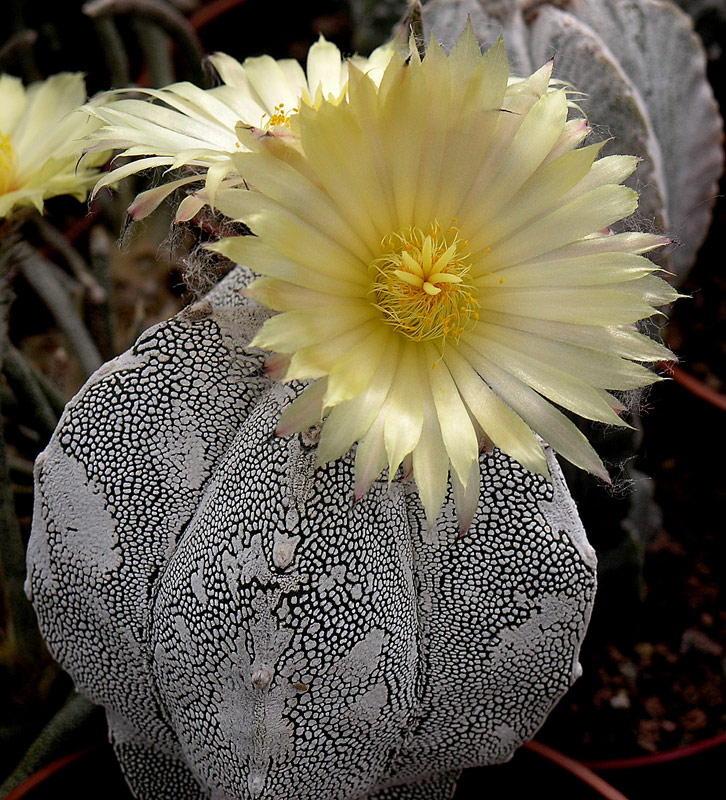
439	250
40	132
197	128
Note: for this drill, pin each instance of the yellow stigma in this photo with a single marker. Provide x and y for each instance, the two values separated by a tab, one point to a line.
421	283
282	117
7	164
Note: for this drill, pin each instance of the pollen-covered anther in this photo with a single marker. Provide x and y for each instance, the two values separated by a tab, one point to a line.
421	283
282	117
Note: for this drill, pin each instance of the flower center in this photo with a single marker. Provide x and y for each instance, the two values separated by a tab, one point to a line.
421	283
7	163
281	117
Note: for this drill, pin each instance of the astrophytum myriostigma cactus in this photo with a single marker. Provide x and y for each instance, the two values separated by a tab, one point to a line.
252	629
251	632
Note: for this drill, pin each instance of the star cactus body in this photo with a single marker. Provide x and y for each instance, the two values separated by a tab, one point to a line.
254	635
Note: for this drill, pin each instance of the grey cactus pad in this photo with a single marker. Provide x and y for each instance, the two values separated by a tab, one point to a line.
251	632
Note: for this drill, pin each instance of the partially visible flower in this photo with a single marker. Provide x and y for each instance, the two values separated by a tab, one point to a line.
40	148
198	128
438	248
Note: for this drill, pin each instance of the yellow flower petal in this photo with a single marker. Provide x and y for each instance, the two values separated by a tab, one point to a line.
305	410
292	191
357	185
14	102
622	341
351	419
466	497
293	236
476	116
524	155
292	330
404	414
352	372
270	83
556	429
40	148
321	359
555	384
542	192
588	306
370	457
258	256
456	428
325	70
574	132
430	460
508	431
599	269
604	370
589	212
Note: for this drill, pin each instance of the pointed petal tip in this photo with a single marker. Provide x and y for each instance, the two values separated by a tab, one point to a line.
276	365
281	432
256	341
465	521
666	362
604	476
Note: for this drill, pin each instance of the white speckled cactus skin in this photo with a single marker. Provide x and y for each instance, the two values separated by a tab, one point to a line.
251	632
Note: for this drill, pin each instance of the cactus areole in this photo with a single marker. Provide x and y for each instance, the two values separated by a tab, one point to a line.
254	633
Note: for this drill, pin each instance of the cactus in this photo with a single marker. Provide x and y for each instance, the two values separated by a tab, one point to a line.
252	633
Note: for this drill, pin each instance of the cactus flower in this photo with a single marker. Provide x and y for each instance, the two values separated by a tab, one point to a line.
193	127
439	249
40	131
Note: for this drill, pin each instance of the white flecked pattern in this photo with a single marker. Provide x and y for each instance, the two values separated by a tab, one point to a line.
251	632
